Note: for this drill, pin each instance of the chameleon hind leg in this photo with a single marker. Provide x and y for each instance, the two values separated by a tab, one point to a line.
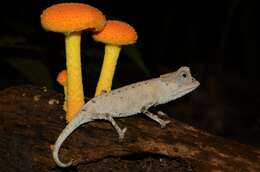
154	117
121	132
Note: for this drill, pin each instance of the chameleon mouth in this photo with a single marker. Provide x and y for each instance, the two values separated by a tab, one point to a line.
187	89
193	86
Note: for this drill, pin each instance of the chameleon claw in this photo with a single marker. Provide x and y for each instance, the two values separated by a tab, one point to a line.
122	134
164	123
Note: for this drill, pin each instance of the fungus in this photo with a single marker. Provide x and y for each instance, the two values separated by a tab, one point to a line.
71	19
62	80
114	35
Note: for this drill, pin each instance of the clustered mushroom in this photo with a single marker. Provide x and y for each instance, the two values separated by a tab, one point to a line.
71	19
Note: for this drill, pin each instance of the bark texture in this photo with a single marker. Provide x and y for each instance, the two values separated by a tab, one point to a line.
31	119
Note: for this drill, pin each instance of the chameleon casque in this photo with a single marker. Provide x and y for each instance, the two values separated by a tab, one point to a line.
130	100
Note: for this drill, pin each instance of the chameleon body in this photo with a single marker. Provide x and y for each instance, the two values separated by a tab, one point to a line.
130	100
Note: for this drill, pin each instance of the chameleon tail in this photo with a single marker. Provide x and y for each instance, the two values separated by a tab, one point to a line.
80	119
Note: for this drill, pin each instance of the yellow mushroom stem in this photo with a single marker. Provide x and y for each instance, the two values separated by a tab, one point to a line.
75	94
108	68
65	97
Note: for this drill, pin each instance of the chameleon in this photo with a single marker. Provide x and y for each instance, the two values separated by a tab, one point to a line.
130	100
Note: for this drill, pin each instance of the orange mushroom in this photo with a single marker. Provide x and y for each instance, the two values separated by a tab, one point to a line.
114	35
62	80
71	19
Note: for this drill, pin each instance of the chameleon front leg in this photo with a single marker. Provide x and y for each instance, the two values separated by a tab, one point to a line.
154	117
121	132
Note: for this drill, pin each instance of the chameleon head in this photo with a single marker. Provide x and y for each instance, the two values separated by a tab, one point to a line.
179	83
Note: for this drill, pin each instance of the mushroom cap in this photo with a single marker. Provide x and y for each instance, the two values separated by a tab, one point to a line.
116	32
71	17
62	77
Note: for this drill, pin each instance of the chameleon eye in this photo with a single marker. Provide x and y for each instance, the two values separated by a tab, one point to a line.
183	78
184	75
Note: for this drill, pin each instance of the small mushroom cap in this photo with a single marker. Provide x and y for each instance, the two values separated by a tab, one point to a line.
62	77
71	17
116	32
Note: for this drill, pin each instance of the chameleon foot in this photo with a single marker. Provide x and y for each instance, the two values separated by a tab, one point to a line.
121	134
163	123
154	117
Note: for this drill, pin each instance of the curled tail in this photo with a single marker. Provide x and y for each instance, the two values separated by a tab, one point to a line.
80	119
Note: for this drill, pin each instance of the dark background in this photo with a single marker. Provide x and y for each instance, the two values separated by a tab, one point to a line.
217	39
